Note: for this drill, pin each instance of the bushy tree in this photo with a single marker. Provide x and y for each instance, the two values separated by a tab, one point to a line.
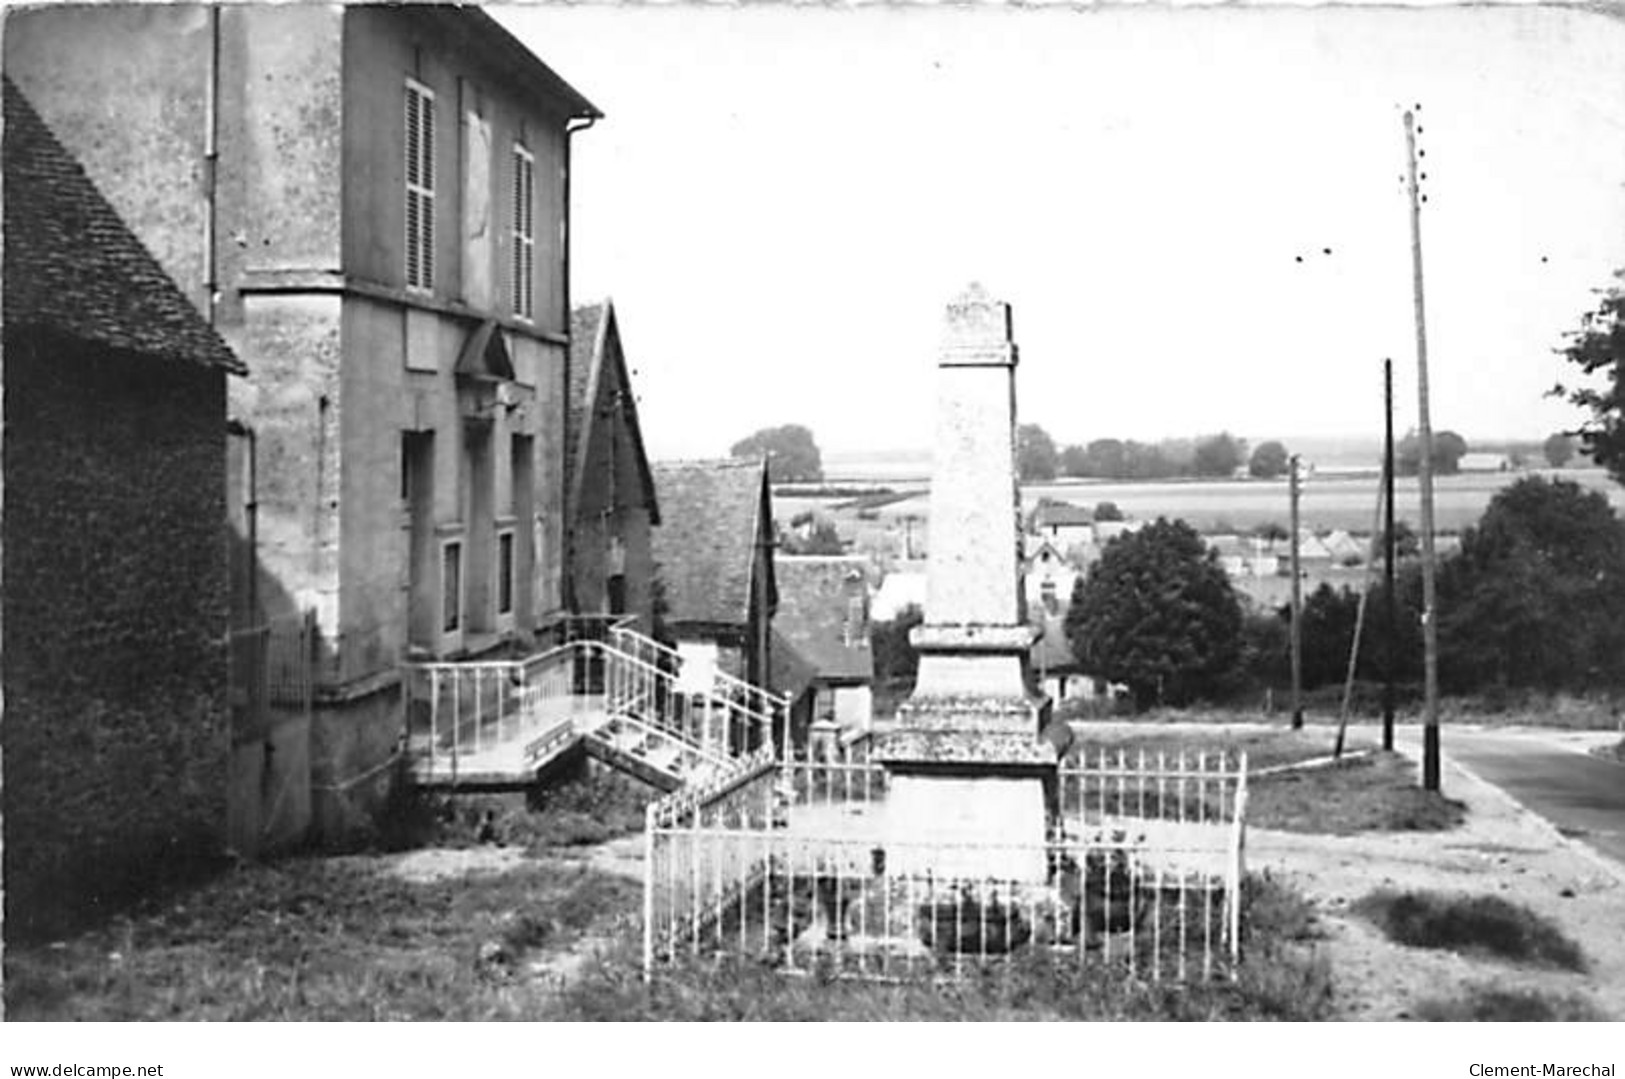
1269	461
1448	450
1558	449
1158	614
1536	596
1074	461
1107	511
896	662
792	454
1598	350
1036	458
1107	459
1218	455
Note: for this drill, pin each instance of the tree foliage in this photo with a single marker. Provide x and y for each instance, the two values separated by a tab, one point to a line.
1107	511
1158	614
1219	455
1269	461
1448	450
1075	461
792	454
1036	458
896	662
1536	596
1598	350
1558	449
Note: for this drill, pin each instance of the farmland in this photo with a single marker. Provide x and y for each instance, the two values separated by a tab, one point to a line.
1329	501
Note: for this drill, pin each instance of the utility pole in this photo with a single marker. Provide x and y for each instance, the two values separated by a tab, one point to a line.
1430	630
1390	613
1297	603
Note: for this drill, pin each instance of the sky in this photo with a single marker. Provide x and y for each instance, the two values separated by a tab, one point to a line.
1196	214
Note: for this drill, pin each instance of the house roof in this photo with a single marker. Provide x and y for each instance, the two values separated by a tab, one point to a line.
1053	652
814	607
597	370
471	31
72	266
717	515
1063	514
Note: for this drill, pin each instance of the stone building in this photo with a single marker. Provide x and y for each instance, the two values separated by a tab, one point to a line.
114	539
822	658
369	203
612	503
714	555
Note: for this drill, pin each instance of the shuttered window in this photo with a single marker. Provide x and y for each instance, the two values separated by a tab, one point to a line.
419	186
524	233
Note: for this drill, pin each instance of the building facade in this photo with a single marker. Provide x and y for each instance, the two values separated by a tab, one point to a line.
115	590
612	503
369	203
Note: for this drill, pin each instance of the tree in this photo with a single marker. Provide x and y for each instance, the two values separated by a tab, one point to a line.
1448	450
1075	461
1272	530
1107	511
1158	614
1036	458
1598	350
1536	597
1219	455
1107	459
896	662
792	454
1269	461
1559	449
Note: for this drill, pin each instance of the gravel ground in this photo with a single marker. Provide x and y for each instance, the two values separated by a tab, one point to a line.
1502	849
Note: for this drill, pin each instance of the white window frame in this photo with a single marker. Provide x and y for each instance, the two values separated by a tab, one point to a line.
522	232
419	199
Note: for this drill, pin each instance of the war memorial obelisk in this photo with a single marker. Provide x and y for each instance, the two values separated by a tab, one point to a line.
970	759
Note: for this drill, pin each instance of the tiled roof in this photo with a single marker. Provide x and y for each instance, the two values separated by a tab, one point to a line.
813	610
1064	514
791	672
597	362
712	524
72	266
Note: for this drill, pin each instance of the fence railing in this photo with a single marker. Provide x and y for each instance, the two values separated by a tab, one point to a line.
1141	869
492	716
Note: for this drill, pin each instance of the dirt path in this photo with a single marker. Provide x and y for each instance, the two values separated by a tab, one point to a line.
1502	850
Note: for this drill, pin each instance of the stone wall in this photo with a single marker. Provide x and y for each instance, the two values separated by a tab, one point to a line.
116	605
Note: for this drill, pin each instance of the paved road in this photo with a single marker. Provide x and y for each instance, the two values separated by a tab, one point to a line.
1584	796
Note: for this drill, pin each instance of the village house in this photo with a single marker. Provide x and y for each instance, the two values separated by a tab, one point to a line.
821	659
612	504
1048	575
713	553
1063	523
116	589
369	203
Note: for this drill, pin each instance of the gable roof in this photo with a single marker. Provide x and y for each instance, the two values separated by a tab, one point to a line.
597	365
1062	514
717	516
814	606
72	266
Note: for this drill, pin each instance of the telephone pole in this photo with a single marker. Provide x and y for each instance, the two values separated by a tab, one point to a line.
1430	631
1297	602
1390	604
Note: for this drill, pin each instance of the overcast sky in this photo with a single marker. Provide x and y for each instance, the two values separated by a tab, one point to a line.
781	200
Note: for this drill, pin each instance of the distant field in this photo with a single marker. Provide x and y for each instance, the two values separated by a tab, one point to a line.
1328	501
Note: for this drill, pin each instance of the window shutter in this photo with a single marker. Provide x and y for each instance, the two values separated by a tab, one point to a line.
419	186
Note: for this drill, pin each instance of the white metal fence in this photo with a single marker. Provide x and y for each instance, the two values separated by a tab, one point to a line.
795	865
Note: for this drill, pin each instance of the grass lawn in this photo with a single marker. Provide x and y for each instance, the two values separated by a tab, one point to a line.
1265	748
1374	793
314	938
1281	978
1482	924
1481	1003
